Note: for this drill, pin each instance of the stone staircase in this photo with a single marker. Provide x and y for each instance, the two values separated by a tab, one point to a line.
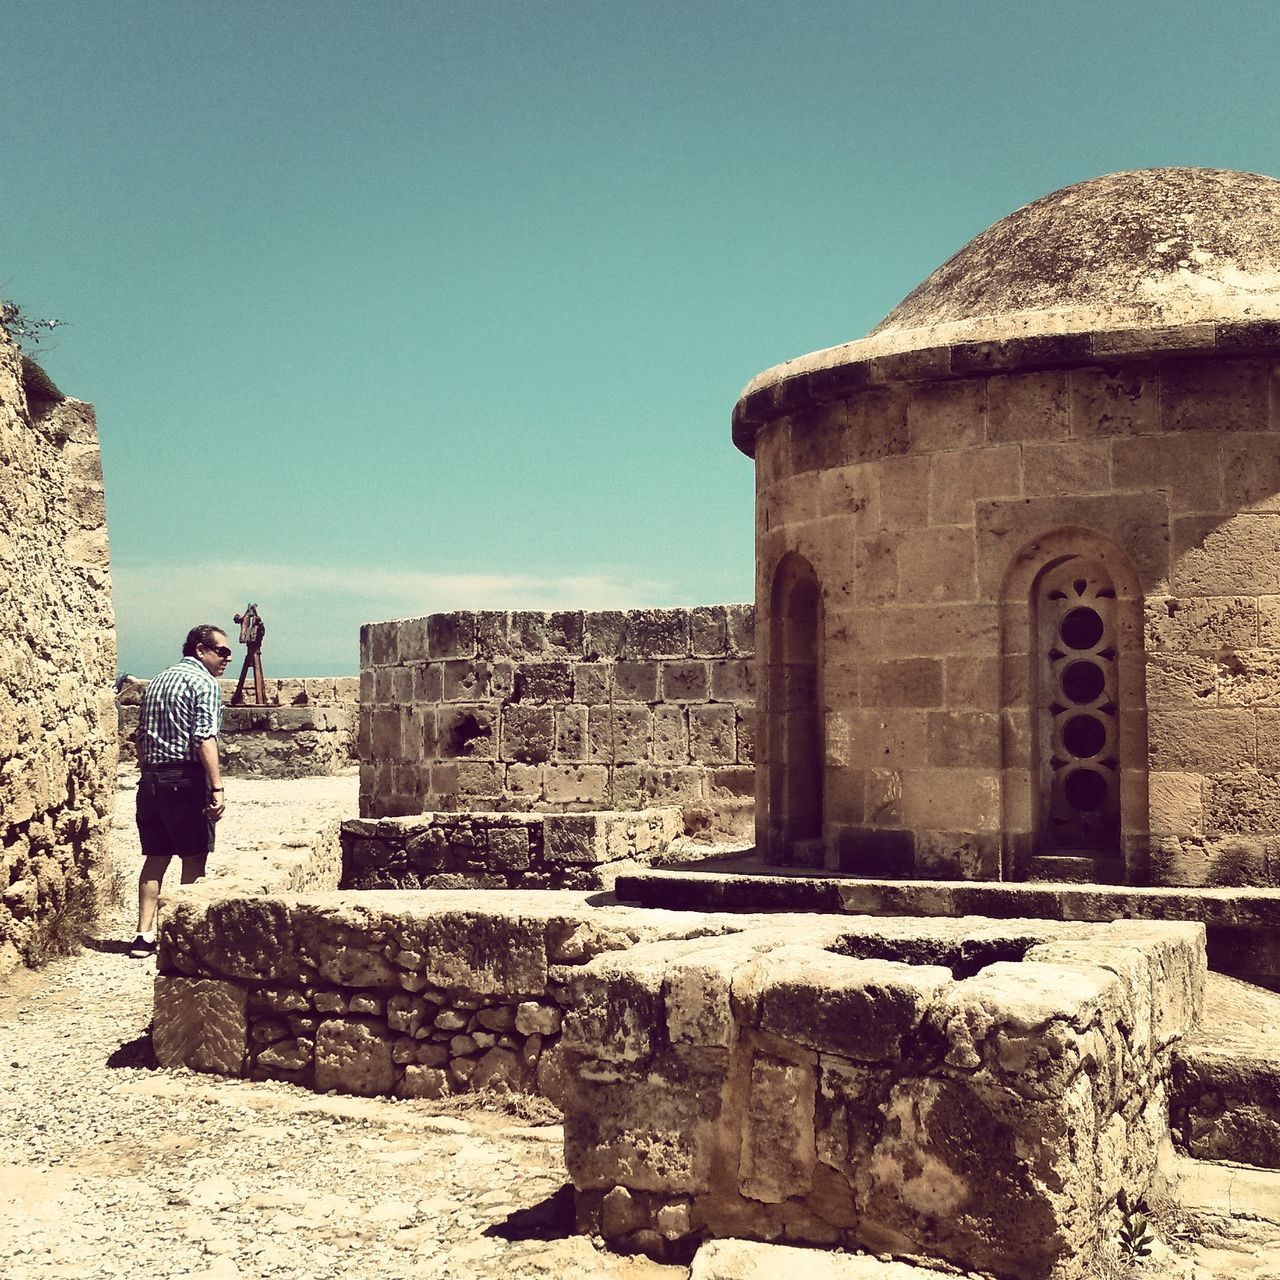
1224	1101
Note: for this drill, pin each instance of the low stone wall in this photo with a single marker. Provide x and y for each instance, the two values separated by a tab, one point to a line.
970	1090
892	1089
503	850
561	712
412	994
307	726
57	661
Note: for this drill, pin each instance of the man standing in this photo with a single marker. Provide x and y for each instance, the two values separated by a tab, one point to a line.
180	793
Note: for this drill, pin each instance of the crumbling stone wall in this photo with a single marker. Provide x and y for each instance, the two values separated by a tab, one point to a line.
416	995
306	727
57	664
976	1094
979	1091
560	711
504	850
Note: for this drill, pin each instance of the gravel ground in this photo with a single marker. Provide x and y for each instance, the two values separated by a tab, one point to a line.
110	1166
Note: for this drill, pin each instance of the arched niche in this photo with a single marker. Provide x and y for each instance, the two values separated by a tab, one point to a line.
794	714
1073	703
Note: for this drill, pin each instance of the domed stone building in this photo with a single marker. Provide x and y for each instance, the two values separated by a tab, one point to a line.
1018	554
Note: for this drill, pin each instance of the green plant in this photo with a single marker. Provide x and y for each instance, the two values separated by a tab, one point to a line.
24	331
1136	1237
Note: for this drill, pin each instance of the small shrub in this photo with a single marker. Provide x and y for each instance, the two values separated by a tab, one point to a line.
24	331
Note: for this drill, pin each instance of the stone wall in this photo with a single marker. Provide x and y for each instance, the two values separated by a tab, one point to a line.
929	496
57	663
504	850
973	1090
411	994
560	711
307	726
976	1093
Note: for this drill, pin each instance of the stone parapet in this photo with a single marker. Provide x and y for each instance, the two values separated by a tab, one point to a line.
58	745
817	380
561	712
411	994
306	727
504	850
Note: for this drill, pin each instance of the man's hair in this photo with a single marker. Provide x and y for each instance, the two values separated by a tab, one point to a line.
202	634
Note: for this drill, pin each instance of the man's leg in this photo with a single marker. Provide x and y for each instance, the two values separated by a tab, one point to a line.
193	869
149	881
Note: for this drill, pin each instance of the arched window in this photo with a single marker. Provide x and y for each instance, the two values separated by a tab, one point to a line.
794	727
1078	705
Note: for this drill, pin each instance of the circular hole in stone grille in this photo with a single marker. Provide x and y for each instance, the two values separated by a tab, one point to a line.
1085	790
1081	629
1084	736
1083	682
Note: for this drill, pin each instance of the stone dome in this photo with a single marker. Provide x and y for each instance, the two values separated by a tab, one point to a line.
1151	247
1144	249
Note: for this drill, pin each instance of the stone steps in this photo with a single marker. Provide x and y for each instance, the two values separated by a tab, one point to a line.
1242	924
1224	1101
1063	868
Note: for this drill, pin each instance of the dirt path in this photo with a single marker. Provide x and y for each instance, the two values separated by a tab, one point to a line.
111	1167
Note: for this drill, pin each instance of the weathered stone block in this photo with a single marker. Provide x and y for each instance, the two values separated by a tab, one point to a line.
620	732
904	493
859	1009
708	631
528	733
1199	740
571	732
684	681
200	1023
636	681
575	783
670	736
712	734
957	480
544	682
1235	554
657	633
778	1150
574	838
353	1056
592	681
1027	406
948	415
1214	395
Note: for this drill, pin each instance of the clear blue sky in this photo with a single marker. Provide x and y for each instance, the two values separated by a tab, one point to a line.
389	308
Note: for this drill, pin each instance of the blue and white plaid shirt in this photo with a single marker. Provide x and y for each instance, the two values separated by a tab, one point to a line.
180	707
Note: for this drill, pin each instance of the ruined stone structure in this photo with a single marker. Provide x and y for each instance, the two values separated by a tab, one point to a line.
1018	554
57	664
976	1091
560	712
307	726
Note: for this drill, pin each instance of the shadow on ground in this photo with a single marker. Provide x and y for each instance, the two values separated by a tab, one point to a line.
549	1219
107	946
137	1052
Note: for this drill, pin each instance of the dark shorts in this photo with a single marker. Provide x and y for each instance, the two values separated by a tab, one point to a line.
171	818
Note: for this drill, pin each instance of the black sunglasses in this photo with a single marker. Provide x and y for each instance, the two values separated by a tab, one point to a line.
220	649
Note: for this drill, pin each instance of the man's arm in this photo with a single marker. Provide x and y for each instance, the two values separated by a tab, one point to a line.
207	754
